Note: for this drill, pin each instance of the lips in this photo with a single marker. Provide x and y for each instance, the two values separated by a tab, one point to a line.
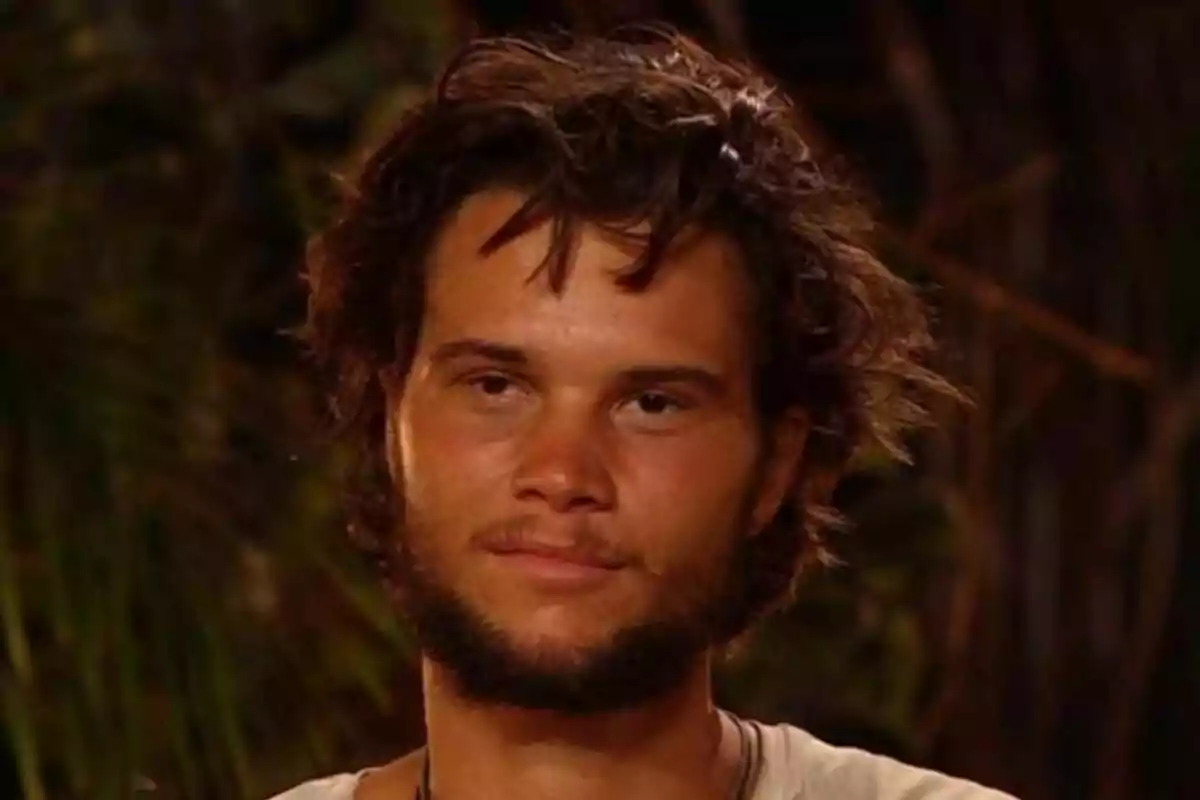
566	554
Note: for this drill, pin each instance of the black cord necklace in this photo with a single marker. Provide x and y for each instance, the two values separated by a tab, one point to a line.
747	767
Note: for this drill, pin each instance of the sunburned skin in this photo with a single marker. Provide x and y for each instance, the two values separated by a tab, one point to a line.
576	466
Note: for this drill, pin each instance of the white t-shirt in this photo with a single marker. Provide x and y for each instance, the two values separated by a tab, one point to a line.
794	765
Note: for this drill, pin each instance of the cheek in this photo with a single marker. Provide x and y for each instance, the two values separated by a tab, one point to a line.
447	467
450	479
691	493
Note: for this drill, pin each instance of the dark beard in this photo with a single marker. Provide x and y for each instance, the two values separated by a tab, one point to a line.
637	664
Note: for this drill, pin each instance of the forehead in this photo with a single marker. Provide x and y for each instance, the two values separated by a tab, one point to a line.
698	303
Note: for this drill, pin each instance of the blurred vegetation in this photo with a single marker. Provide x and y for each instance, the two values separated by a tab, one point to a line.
180	608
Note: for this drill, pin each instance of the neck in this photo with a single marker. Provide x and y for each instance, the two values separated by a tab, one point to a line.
675	747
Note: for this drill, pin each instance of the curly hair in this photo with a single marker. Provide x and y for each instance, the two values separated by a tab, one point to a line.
643	130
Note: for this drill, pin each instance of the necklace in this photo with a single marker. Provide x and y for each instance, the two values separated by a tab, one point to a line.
747	766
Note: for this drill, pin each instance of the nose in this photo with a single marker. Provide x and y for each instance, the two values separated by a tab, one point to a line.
562	464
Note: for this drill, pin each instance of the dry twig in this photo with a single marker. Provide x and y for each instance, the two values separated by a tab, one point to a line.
1106	357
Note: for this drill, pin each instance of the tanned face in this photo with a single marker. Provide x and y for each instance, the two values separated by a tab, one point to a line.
578	468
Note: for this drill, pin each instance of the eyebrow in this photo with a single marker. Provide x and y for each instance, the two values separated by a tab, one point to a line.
649	375
479	348
705	380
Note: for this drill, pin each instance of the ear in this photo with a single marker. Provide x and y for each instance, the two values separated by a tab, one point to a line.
784	444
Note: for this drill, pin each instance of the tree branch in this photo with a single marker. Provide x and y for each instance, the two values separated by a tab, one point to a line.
911	69
944	216
1105	357
1152	483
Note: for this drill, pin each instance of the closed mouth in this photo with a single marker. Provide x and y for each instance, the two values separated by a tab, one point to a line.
567	555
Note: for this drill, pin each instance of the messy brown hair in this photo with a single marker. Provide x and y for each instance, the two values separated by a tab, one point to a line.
641	129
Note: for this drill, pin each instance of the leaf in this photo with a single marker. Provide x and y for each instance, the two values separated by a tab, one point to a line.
22	731
337	81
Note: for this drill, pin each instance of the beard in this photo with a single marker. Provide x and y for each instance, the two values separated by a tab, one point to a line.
633	665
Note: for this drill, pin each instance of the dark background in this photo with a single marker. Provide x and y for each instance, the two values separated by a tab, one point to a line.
181	612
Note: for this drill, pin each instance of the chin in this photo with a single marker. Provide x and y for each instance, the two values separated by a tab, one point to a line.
577	669
565	657
557	620
556	651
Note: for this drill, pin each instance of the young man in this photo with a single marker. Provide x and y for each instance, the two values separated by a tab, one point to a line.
605	335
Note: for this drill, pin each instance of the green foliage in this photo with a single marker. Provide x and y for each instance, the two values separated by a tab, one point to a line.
848	660
170	561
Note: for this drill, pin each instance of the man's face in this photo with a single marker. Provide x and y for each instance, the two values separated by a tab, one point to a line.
580	468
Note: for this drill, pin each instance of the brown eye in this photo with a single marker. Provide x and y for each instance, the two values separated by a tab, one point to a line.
655	403
494	385
654	412
494	391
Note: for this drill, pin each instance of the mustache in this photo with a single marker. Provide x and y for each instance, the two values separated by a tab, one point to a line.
578	540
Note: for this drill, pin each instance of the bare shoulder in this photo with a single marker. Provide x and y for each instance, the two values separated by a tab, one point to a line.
797	765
